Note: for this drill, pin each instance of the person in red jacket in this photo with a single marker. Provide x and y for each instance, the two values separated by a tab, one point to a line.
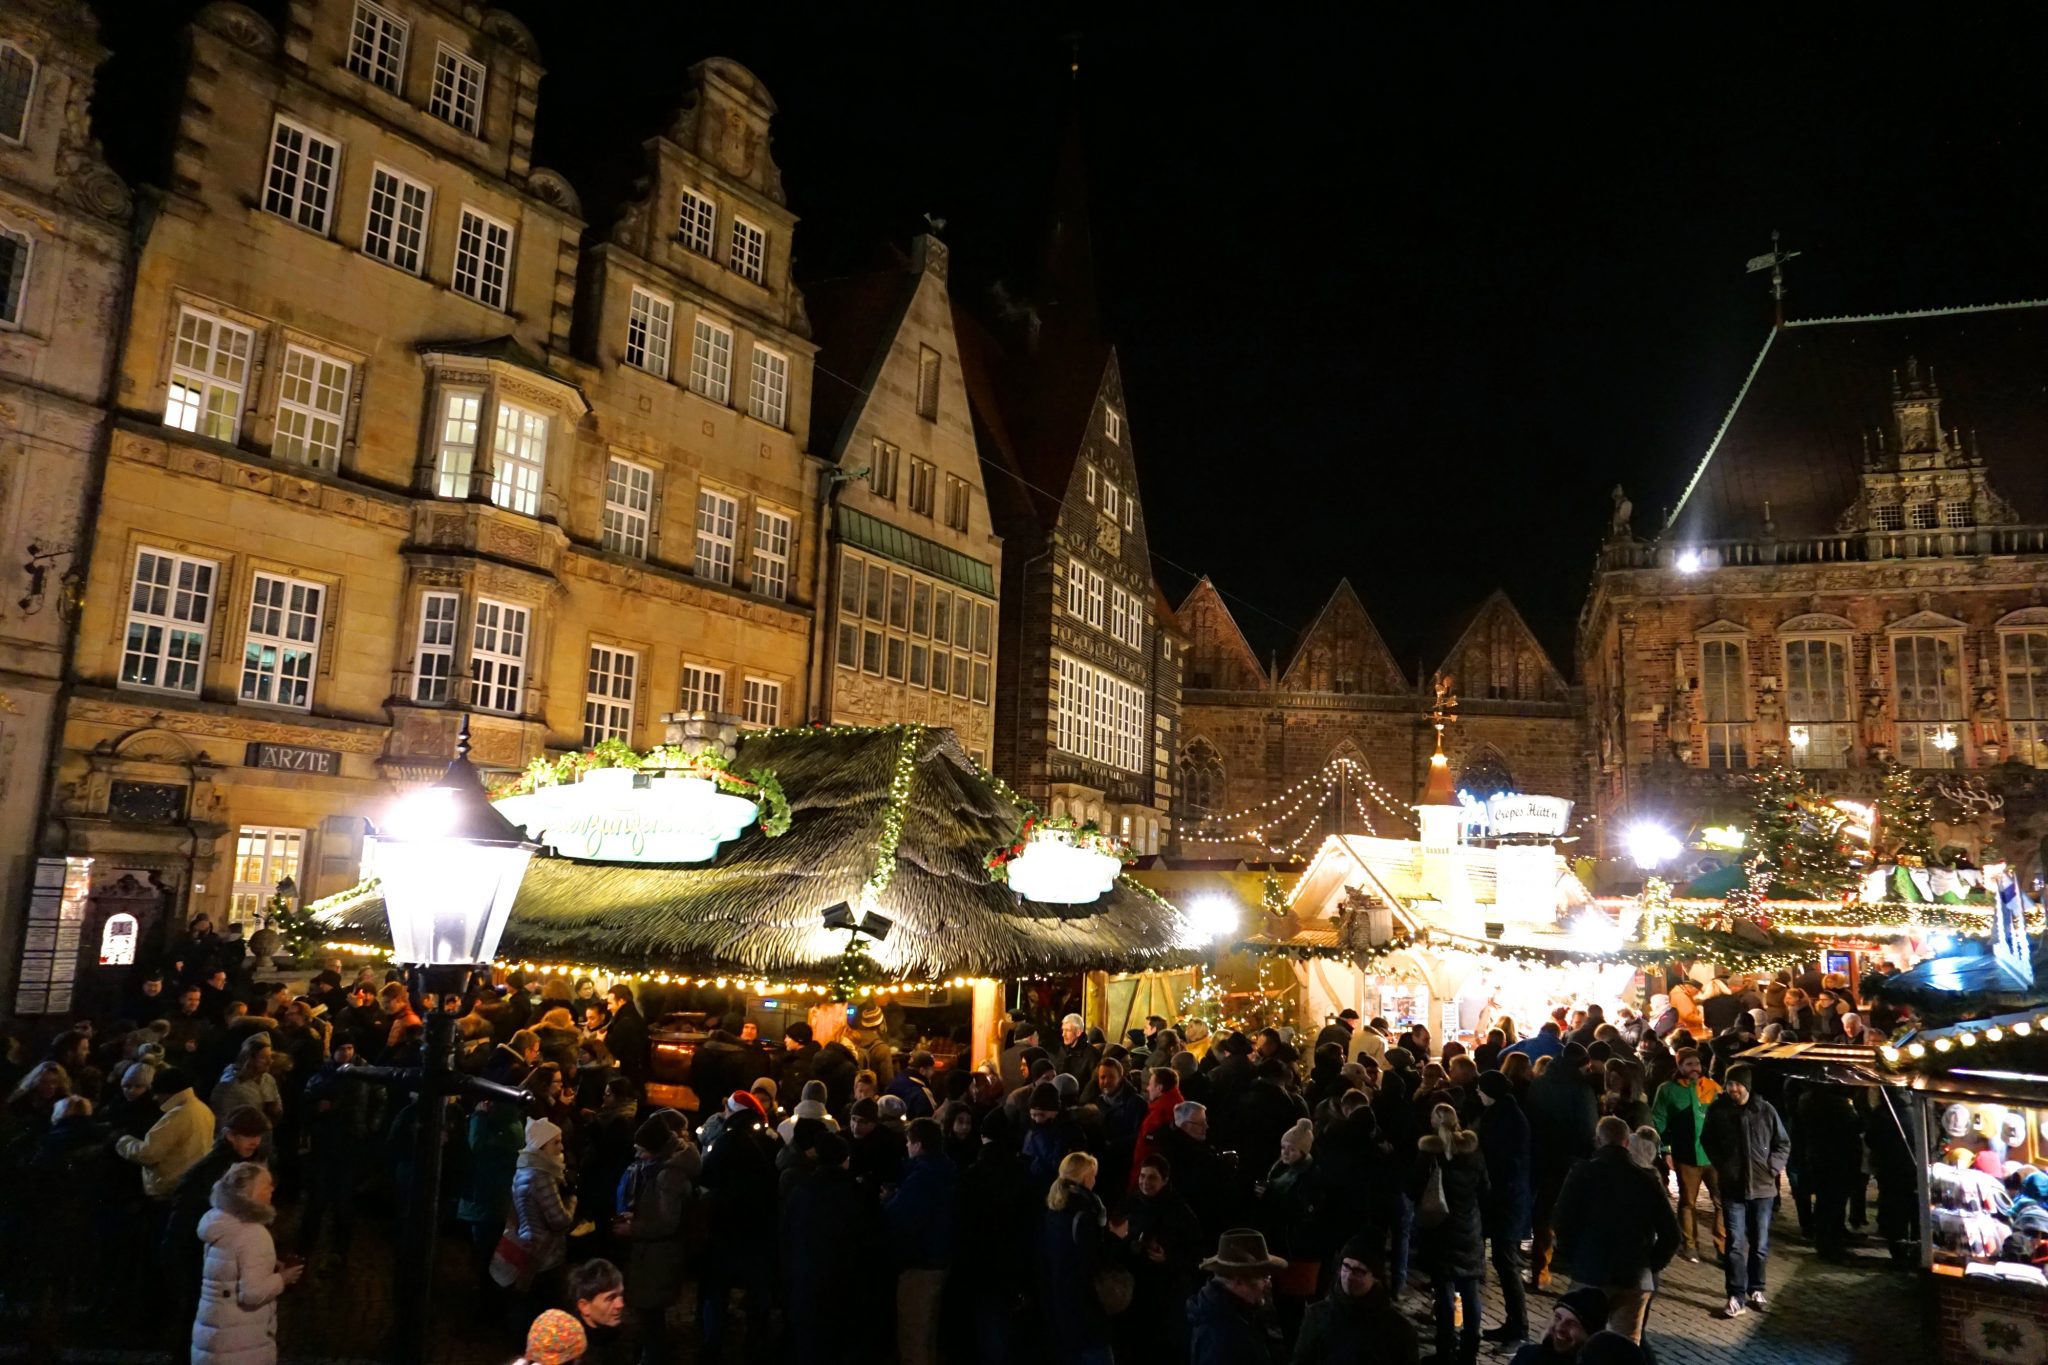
1162	1093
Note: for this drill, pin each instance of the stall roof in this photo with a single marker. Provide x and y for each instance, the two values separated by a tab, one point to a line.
755	909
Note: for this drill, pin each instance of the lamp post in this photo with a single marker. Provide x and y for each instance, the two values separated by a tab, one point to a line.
451	865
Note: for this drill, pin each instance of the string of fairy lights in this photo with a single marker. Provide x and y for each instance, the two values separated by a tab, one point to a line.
1271	820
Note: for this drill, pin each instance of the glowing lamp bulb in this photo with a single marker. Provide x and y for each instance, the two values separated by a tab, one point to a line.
1942	1045
1689	561
1945	739
1651	846
1917	1051
1799	736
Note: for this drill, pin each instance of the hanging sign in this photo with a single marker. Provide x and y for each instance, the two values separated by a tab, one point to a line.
1512	813
608	818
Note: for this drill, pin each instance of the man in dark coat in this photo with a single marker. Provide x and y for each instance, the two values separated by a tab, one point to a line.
1012	1065
913	1085
1504	1143
719	1065
597	1292
878	1150
919	1218
1264	1112
627	1036
739	1173
1615	1228
1203	1178
1228	1321
799	1060
1747	1142
826	1225
1562	1112
1165	1245
1339	1031
657	1231
1122	1113
1357	1320
1234	1074
1077	1056
836	1067
181	1252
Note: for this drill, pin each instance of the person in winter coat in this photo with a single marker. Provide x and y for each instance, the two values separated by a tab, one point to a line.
1162	1097
1545	1042
179	1252
626	1037
1678	1112
598	1292
542	1214
1293	1212
1510	1191
239	1287
824	1215
1562	1112
836	1067
1454	1250
1573	1323
1356	1321
1227	1321
657	1231
1078	1055
870	1049
1615	1228
1051	1135
182	1136
919	1217
739	1173
1747	1142
248	1083
913	1085
1264	1112
1827	1155
1074	1242
1165	1244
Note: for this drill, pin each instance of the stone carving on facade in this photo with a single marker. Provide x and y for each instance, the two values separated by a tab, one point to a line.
240	25
1619	517
551	188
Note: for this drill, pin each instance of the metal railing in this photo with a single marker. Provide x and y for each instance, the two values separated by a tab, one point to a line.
1833	548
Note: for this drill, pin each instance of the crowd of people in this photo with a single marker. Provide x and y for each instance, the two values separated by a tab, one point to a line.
1175	1195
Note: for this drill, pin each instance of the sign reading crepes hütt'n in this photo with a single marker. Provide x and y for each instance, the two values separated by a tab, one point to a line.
293	759
1512	813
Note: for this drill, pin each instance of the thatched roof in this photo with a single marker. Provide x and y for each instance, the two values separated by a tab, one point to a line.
754	909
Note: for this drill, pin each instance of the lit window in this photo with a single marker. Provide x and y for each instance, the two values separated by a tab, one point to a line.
924	481
455	453
284	642
748	252
14	253
2026	695
497	657
703	689
768	394
763	702
711	360
300	185
1817	703
699	217
927	383
771	554
1113	425
628	504
1100	716
1096	584
458	94
209	371
956	502
648	322
1724	680
608	694
439	611
483	258
376	46
1928	686
882	470
264	856
311	396
519	459
717	520
395	228
17	83
170	606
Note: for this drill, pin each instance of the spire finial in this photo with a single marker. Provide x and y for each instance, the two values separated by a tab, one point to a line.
1774	261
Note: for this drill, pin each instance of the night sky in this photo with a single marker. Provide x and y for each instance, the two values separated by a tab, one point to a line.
1398	300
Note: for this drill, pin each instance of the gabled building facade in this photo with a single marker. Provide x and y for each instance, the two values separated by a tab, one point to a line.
913	566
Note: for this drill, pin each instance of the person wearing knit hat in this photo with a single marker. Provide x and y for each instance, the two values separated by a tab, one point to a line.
1577	1317
1357	1319
555	1338
810	1105
655	1137
878	1150
542	1211
1287	1201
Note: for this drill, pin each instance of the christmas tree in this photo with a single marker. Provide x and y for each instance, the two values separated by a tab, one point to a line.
1801	838
1905	819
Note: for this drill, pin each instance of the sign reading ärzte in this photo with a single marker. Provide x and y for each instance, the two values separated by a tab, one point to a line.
293	759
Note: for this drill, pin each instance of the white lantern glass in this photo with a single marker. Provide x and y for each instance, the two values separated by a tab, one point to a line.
1056	872
447	900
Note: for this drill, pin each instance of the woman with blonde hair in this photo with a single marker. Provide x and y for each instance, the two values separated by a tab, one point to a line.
1074	1245
1450	1190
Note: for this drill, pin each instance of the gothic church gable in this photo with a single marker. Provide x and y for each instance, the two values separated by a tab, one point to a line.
1218	655
1342	652
1497	657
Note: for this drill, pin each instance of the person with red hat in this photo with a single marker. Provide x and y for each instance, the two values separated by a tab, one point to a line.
739	1174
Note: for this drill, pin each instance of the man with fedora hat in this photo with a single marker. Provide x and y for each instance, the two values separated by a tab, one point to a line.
1229	1320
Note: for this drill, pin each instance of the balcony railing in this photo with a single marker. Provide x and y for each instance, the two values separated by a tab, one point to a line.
1833	548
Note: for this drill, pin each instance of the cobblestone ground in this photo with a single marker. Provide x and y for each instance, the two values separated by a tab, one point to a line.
1856	1313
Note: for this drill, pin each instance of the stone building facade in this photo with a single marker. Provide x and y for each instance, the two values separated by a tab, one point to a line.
64	257
1338	739
392	448
1855	574
913	566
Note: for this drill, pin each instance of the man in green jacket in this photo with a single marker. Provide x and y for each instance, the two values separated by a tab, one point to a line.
1679	1113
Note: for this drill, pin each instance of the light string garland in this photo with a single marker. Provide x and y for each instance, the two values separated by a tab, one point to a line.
892	817
1918	1054
1309	794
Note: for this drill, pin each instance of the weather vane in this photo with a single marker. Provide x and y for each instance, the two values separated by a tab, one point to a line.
1773	261
1440	711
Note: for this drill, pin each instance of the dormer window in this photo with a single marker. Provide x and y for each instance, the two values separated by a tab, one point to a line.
749	253
17	83
458	94
1925	516
376	46
1890	517
699	218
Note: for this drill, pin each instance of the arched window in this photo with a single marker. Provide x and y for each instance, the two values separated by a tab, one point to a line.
1485	774
117	941
1202	779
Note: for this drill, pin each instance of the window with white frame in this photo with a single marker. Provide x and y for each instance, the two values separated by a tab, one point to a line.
1096	584
434	665
170	608
762	703
1130	512
703	689
483	258
1077	589
628	506
458	94
768	392
697	222
1127	617
1724	702
209	375
264	856
957	502
497	657
300	184
312	394
1819	721
1112	425
1100	717
17	84
924	481
882	470
711	360
283	645
519	459
1112	505
608	688
927	383
455	449
2026	694
376	46
649	320
1119	608
1090	484
770	568
748	253
717	521
14	254
1927	684
395	225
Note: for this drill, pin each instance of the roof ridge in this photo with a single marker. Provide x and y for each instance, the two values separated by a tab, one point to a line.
1919	313
1722	430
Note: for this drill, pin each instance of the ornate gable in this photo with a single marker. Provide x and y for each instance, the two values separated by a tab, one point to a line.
1342	652
1917	473
1498	657
1218	654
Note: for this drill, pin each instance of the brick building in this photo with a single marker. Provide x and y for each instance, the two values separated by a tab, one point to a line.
1269	740
1854	573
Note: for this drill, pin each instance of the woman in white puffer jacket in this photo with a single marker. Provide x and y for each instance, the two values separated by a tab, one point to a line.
237	1321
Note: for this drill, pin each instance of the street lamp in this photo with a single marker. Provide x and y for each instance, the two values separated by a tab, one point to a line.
1650	846
450	866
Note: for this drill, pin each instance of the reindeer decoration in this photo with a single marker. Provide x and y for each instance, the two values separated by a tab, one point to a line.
1975	825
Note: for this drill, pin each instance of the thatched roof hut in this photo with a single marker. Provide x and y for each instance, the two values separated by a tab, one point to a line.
755	909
